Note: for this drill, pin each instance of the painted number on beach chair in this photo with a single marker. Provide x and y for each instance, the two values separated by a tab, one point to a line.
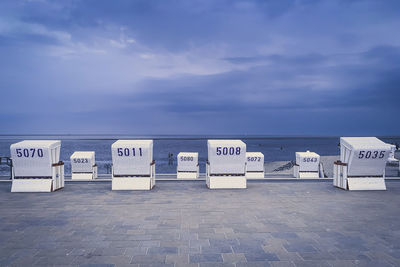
186	158
253	158
228	151
128	152
371	154
310	159
81	160
32	152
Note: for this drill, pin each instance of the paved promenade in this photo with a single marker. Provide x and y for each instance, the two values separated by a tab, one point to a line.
185	224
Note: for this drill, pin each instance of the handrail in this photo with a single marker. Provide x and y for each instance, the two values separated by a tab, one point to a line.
60	163
323	170
9	163
338	162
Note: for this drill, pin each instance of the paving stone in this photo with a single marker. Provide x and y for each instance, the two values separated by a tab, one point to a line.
156	265
210	235
299	247
125	244
288	256
253	264
223	230
351	243
186	265
148	259
151	243
281	264
260	256
223	242
341	263
93	259
316	263
163	250
109	251
20	261
55	260
345	263
97	265
216	264
351	255
256	248
188	236
53	252
216	249
136	251
177	259
81	251
199	258
284	235
233	257
199	242
186	224
25	252
316	256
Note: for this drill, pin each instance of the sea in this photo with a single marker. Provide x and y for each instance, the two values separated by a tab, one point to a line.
274	148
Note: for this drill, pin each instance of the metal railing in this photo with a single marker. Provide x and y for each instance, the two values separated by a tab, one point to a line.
7	161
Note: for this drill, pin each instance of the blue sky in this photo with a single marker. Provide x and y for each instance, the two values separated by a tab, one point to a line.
287	67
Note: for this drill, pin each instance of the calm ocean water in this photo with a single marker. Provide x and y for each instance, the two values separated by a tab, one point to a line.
273	148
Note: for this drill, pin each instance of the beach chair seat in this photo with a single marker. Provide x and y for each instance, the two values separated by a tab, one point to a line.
362	164
37	166
188	165
307	165
133	165
254	165
83	165
226	164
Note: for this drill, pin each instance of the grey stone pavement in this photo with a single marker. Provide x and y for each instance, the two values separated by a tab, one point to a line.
182	223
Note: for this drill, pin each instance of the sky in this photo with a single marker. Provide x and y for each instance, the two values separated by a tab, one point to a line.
198	67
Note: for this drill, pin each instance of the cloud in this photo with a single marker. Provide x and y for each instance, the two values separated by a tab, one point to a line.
262	67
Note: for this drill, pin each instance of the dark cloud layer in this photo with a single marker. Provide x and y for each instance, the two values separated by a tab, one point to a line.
200	67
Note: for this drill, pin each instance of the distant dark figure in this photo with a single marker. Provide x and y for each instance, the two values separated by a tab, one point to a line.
281	147
397	146
108	167
170	159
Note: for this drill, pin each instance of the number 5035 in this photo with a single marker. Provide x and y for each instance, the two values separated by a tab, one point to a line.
371	154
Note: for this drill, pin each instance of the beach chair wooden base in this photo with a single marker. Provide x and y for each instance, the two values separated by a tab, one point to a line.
31	185
133	183
40	184
226	182
82	176
366	183
187	175
341	180
255	175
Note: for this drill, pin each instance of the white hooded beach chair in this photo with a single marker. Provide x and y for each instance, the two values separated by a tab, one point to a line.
37	166
133	165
